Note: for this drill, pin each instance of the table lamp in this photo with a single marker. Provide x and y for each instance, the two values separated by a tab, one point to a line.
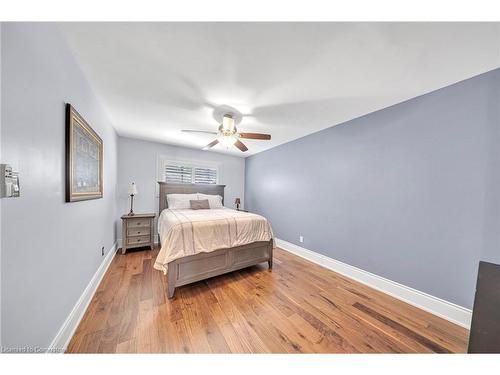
132	190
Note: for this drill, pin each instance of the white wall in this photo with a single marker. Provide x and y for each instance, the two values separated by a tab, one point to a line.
50	248
137	162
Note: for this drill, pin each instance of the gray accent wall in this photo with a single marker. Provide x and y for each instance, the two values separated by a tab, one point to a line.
410	193
50	249
137	162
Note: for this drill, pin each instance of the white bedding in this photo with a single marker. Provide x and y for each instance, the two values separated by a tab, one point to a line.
187	232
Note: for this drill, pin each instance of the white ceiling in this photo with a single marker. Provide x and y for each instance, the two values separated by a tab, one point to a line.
289	79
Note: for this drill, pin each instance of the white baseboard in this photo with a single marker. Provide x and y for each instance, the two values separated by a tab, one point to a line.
444	309
70	325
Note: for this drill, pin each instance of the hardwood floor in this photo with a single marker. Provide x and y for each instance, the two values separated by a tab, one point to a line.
298	307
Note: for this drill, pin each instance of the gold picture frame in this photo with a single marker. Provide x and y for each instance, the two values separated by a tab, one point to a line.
84	154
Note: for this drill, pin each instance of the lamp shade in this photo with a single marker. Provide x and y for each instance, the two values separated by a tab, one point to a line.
132	189
228	123
237	201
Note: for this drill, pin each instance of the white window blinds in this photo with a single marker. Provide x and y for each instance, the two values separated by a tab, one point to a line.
189	174
205	176
178	174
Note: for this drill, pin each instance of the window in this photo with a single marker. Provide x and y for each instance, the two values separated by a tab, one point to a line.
178	173
184	172
205	175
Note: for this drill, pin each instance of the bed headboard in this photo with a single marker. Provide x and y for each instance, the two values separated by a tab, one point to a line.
170	188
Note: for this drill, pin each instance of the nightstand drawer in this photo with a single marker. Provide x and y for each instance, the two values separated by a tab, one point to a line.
136	223
138	231
138	240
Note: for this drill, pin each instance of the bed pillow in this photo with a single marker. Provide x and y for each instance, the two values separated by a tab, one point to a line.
215	201
180	201
201	204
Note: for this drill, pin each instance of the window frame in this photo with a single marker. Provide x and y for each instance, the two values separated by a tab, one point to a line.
163	160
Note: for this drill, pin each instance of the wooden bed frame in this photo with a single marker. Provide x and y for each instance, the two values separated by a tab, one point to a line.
202	266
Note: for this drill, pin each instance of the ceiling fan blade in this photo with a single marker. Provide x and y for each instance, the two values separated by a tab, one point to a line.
197	131
240	145
261	136
211	144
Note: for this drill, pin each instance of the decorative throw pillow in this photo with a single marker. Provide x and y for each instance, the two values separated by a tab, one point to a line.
201	204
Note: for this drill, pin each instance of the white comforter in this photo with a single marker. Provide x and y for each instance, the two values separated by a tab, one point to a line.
188	232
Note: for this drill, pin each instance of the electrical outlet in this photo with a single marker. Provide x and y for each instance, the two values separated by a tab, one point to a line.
301	239
102	251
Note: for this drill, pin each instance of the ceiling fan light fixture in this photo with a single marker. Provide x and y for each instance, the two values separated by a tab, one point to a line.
227	134
227	140
228	123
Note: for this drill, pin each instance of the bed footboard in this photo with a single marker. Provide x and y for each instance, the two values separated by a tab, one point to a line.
202	266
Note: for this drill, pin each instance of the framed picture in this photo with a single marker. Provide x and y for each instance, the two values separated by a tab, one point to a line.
84	154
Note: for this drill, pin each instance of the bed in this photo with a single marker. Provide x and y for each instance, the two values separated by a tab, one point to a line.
199	244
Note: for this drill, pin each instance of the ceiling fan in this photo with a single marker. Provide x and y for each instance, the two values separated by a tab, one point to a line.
227	134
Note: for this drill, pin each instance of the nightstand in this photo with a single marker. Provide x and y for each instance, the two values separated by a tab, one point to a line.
137	231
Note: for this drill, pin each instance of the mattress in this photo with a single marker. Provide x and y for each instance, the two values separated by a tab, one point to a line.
188	232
